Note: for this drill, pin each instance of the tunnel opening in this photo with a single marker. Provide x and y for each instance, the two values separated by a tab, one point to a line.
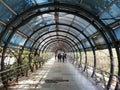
35	30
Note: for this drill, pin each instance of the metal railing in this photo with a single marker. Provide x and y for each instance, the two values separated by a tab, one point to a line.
13	73
101	77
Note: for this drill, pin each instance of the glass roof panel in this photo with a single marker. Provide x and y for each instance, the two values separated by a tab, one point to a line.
39	33
66	16
86	44
92	41
82	22
29	44
43	1
64	21
17	39
80	46
112	14
1	28
49	21
95	6
52	28
70	36
117	33
36	22
90	30
63	28
70	1
78	26
45	36
62	33
73	31
6	17
86	33
7	35
81	37
20	6
25	30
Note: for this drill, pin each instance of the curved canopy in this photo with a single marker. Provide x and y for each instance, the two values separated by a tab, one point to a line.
28	23
67	25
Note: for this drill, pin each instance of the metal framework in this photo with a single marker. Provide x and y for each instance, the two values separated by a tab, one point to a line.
22	19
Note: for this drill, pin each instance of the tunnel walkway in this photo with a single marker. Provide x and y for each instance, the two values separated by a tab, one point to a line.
54	76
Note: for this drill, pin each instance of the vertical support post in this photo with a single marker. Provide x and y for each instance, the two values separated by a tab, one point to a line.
94	69
111	68
85	61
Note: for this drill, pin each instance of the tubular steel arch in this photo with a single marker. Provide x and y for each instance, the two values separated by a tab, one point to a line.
73	8
54	41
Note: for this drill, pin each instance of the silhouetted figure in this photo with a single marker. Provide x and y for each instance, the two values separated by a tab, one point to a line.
59	57
64	57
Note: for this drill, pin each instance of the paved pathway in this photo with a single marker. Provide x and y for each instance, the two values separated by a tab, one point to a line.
55	76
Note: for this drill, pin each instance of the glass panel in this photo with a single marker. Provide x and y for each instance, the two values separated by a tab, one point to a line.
117	33
64	28
92	41
70	1
107	18
77	26
86	33
45	36
86	44
73	31
49	15
62	33
53	33
40	32
64	21
70	36
52	28
49	21
89	30
29	44
17	39
43	1
82	22
25	30
1	28
113	13
7	35
20	6
81	37
80	46
66	16
6	15
95	6
36	22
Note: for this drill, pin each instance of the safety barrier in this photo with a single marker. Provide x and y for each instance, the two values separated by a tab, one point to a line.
14	74
100	77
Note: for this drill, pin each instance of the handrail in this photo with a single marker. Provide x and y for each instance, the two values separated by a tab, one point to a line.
104	74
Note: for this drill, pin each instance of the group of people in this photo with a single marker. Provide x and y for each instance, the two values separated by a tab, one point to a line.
60	57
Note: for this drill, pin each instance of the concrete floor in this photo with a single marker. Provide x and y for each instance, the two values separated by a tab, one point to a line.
55	76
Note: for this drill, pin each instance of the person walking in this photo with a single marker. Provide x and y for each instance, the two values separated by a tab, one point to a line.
59	57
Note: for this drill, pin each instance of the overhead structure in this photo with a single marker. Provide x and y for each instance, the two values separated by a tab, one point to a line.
70	25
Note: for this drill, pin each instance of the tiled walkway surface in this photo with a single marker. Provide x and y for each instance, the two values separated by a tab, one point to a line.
55	76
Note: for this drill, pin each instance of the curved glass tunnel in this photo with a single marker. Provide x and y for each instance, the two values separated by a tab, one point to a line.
88	31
